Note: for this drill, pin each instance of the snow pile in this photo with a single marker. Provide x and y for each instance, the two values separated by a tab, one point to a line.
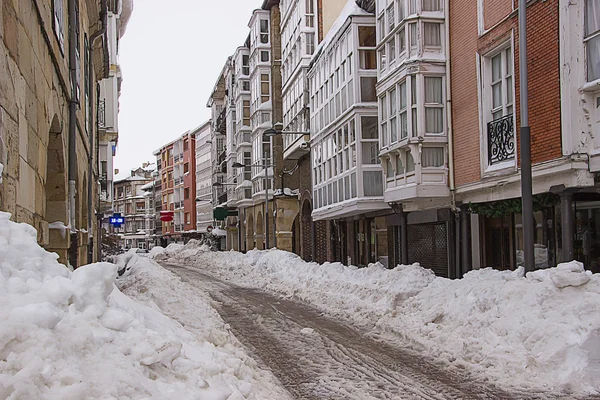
161	290
73	335
535	332
156	251
542	330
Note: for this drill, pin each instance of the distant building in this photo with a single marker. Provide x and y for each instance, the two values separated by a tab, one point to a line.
177	171
130	200
204	207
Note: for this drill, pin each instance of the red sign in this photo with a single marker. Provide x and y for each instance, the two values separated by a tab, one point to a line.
209	229
166	218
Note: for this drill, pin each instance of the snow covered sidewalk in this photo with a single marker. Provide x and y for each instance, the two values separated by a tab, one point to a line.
74	335
539	332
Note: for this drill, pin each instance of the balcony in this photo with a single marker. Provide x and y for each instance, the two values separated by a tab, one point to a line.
501	140
102	114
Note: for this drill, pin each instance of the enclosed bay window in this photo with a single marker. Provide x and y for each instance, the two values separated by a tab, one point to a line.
310	14
432	34
265	88
434	106
592	39
432	157
264	31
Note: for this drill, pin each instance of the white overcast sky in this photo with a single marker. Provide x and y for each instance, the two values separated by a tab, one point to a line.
170	58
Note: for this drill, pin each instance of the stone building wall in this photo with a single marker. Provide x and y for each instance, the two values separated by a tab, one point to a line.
34	122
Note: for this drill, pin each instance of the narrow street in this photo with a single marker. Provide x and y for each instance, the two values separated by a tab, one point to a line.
316	357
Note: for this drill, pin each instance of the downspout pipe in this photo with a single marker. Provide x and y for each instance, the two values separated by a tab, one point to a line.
449	109
92	128
73	103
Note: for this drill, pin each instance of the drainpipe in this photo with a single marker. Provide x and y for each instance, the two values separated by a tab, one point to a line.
449	109
93	144
73	102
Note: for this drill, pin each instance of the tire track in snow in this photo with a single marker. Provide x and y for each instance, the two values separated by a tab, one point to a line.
336	361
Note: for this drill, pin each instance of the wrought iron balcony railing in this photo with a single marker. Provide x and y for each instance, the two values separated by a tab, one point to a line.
501	140
102	114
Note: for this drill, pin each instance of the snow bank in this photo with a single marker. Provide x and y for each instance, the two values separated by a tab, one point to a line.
535	332
74	335
163	291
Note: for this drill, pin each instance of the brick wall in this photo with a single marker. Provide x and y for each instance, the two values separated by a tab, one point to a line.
544	87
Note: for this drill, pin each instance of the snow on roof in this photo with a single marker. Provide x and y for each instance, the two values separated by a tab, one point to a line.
148	186
348	11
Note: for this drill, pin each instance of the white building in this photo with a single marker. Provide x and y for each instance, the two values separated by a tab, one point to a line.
298	42
204	217
347	175
119	13
580	79
411	89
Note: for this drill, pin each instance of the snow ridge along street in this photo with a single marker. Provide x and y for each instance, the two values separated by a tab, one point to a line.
73	335
533	333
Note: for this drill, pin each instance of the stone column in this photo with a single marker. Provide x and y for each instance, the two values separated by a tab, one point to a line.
566	217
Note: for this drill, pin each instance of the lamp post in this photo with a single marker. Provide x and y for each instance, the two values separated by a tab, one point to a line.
526	177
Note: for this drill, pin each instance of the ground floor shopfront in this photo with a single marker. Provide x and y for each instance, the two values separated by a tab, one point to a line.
567	227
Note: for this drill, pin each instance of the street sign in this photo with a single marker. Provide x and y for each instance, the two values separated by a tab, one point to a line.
166	218
117	220
209	228
220	213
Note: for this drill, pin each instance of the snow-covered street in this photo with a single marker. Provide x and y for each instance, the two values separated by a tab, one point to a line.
317	357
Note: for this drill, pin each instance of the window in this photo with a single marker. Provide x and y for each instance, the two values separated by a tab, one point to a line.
188	218
413	35
410	162
185	145
434	107
392	49
432	157
186	168
432	36
399	166
245	86
59	23
501	84
367	89
384	116
391	18
186	193
310	42
402	41
246	113
366	36
264	56
264	31
431	5
310	14
264	88
402	111
245	65
592	39
413	103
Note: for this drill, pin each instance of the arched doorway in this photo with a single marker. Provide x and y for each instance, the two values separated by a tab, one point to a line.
260	236
250	244
306	232
55	191
296	235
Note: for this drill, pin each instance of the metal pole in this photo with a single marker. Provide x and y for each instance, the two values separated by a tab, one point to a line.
526	179
266	203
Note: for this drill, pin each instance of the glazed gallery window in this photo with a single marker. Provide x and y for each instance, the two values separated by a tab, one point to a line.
264	31
264	88
434	106
592	39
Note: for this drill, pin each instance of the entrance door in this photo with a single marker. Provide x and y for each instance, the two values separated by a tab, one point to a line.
499	243
428	245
